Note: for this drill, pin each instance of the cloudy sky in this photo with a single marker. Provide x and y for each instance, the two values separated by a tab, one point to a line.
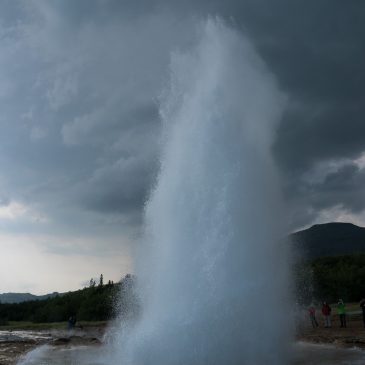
79	142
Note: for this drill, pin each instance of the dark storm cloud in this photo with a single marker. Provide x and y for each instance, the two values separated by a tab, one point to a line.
338	193
317	51
79	98
319	132
79	106
345	187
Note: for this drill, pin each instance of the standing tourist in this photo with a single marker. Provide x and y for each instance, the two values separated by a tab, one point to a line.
312	315
341	310
362	306
326	311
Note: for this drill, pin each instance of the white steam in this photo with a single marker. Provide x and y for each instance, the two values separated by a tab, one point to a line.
213	274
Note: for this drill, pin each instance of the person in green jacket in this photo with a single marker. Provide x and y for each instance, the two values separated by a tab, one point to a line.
341	310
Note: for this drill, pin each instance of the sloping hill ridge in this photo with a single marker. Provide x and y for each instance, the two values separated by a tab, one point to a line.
23	297
329	239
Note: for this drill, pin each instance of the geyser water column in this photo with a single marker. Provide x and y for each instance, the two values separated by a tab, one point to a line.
212	269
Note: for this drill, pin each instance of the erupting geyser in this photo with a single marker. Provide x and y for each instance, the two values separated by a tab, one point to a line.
213	270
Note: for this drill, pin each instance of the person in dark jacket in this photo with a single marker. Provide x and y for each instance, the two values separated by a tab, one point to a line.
362	306
326	311
312	315
71	322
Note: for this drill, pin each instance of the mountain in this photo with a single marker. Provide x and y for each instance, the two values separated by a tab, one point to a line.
23	297
330	239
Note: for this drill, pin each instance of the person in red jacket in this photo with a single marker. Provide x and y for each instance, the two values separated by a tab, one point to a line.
326	311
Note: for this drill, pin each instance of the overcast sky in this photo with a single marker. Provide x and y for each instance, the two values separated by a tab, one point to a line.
79	142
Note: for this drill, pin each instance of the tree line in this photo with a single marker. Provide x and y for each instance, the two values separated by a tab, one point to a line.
331	278
98	302
322	279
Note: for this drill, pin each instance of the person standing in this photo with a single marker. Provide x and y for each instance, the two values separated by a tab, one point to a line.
341	310
312	315
326	311
362	306
70	323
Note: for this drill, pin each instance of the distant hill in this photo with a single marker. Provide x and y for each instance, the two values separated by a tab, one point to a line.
330	239
23	297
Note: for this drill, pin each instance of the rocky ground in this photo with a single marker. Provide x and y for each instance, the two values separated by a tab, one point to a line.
10	352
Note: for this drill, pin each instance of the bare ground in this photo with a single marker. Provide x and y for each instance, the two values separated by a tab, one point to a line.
11	350
352	336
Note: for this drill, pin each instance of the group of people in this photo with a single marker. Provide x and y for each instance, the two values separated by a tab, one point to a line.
326	312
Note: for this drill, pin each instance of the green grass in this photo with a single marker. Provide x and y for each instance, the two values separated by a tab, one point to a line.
15	325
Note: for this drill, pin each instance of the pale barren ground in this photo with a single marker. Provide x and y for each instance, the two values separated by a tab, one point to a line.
16	343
